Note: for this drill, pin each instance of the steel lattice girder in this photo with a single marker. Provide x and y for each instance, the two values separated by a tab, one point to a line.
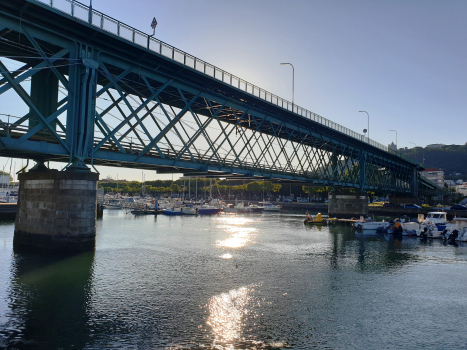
147	119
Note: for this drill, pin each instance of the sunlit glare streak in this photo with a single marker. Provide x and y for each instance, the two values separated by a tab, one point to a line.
234	220
226	315
226	256
238	237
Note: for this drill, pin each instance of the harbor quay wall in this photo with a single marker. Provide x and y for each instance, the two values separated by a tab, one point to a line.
56	210
372	210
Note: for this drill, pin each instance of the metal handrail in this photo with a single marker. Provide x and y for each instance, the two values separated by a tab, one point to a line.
110	25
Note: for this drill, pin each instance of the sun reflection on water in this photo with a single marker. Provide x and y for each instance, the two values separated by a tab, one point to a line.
239	233
227	315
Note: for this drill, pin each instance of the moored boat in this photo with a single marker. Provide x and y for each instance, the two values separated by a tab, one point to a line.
269	207
456	231
173	211
253	208
368	224
237	208
189	210
309	220
208	210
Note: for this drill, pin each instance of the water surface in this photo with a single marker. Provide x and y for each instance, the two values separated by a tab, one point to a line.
234	282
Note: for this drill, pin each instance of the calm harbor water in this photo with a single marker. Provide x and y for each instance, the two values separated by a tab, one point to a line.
234	282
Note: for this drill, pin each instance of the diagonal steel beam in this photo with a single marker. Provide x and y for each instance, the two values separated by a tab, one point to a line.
25	97
123	116
39	127
168	127
202	128
226	137
41	52
134	113
110	134
18	78
119	126
158	125
115	80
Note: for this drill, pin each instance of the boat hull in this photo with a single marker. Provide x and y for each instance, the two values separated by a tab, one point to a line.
210	211
315	223
370	225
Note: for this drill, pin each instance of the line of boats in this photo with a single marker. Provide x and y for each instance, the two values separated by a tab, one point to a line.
435	225
179	207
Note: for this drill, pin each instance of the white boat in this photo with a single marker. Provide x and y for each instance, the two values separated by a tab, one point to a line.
8	197
436	217
113	204
435	223
369	224
269	207
237	208
189	210
253	208
412	228
456	231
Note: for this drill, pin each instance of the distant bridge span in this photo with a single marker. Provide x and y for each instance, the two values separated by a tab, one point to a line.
99	92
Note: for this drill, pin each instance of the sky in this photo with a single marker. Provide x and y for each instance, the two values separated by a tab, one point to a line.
402	61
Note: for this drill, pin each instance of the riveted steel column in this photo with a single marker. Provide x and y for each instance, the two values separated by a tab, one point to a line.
82	106
44	96
362	171
415	184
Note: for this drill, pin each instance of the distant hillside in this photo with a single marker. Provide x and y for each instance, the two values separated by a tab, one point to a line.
450	158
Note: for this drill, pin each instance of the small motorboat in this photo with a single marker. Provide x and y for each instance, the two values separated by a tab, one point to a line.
208	210
456	231
368	224
269	207
146	212
253	208
173	211
189	210
238	208
309	220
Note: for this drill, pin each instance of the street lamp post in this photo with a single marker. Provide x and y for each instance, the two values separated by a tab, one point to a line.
293	81
90	12
368	130
396	138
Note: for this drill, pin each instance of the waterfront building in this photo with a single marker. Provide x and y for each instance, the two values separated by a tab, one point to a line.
462	189
435	145
434	175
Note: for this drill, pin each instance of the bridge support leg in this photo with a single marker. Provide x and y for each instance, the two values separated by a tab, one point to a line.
344	204
56	210
44	95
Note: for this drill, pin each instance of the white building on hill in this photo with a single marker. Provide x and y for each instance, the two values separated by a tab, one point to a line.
434	175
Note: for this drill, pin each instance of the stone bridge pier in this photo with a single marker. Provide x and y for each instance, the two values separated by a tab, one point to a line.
345	205
56	210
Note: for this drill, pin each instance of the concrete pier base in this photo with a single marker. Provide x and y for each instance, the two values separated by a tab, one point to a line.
56	211
345	205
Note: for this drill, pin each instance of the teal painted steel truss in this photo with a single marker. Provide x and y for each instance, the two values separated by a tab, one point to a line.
91	98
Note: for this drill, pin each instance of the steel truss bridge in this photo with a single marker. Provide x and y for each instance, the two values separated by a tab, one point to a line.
96	91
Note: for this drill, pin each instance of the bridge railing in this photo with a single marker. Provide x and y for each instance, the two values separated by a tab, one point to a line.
115	27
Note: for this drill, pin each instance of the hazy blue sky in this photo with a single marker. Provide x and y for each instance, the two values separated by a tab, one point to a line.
404	62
